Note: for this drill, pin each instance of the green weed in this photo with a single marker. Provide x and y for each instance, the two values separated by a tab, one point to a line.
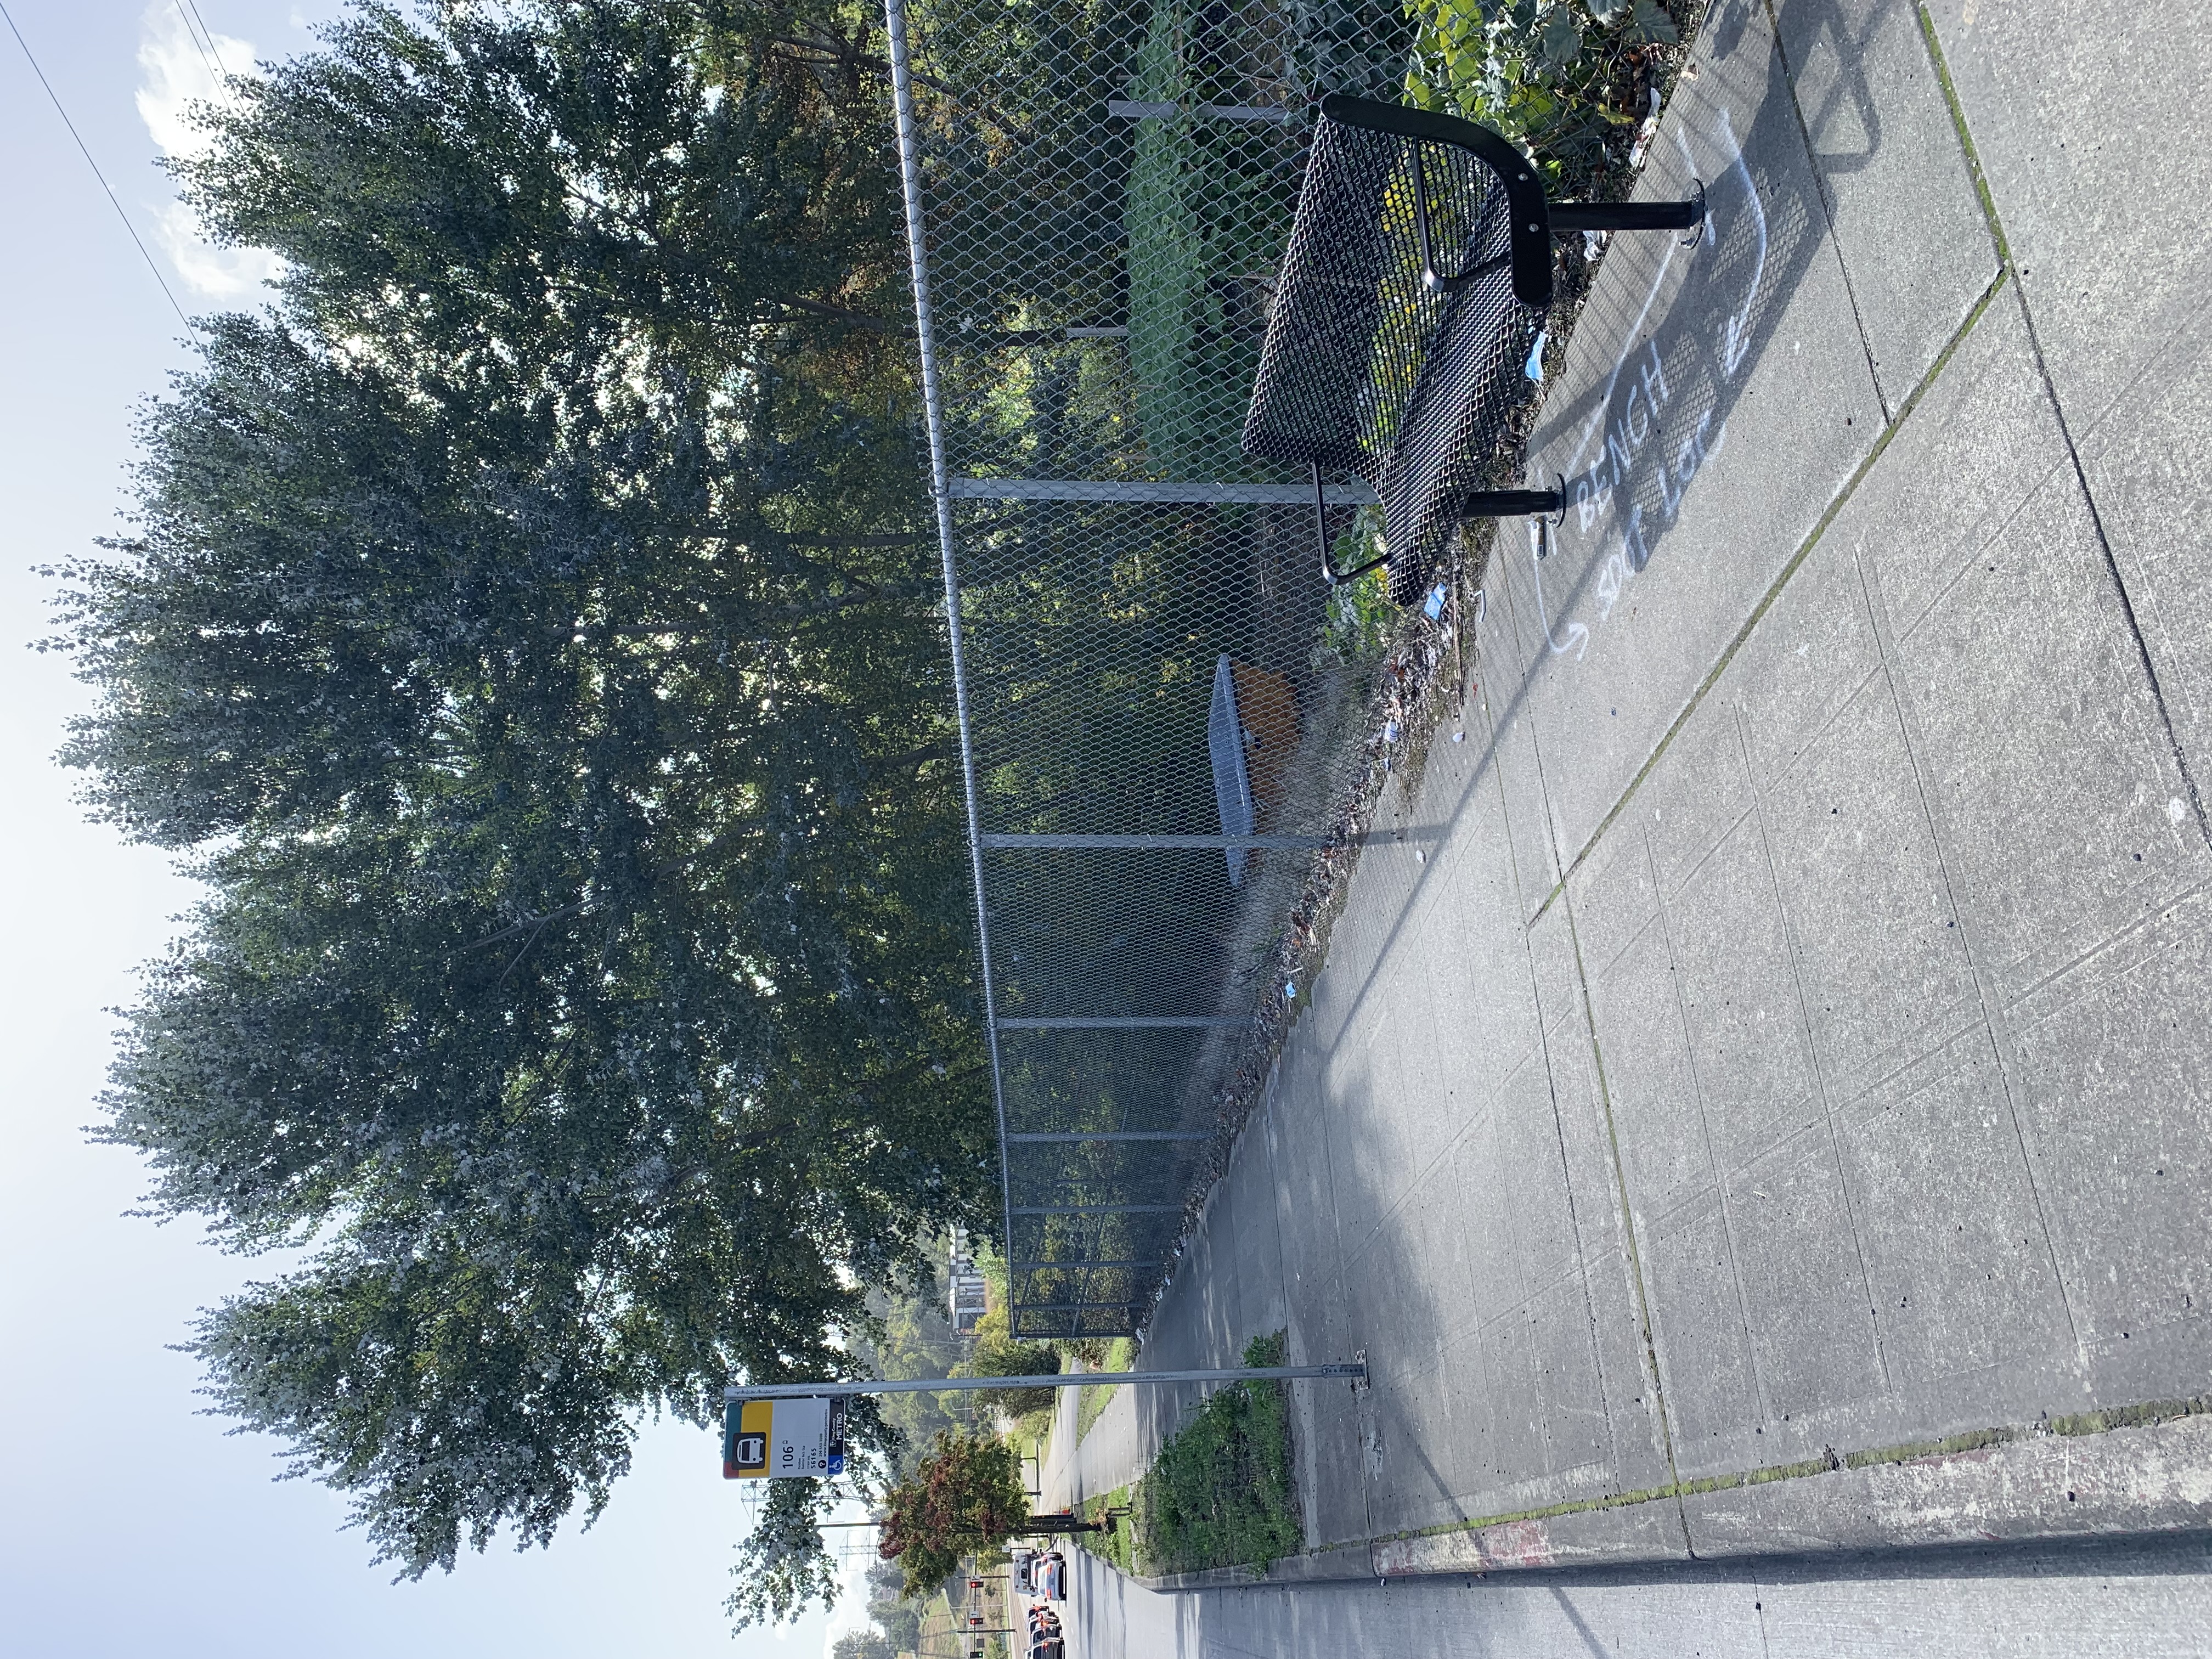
1219	1494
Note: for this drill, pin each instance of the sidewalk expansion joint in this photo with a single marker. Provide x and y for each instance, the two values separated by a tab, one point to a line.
2143	659
1965	138
1767	601
1828	211
1628	1234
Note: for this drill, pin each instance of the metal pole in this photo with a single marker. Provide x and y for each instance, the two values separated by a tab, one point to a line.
1119	490
1083	1137
1051	843
1348	1370
940	488
1130	1022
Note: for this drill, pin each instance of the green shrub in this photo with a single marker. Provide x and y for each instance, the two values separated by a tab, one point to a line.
1358	621
1566	78
1219	1494
997	1354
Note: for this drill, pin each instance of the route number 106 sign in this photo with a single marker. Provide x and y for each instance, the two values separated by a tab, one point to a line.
783	1439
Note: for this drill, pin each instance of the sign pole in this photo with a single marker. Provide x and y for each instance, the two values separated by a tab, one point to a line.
1347	1371
783	1430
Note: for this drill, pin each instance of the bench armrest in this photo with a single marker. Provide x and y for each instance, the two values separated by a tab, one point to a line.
1531	232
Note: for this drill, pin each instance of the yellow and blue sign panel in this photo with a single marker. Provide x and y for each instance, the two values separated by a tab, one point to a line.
783	1439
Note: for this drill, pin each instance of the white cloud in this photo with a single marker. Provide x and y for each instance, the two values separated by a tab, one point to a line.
173	73
851	1612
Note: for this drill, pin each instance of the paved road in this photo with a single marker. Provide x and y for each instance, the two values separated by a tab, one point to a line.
1774	1039
2129	1604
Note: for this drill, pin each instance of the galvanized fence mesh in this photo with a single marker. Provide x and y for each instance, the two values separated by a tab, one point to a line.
1158	731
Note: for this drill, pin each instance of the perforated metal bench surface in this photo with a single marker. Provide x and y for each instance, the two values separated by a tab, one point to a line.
1411	297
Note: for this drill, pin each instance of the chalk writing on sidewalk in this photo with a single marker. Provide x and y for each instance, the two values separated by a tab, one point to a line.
1633	436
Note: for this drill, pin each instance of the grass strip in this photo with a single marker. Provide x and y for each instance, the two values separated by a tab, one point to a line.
1220	1493
1091	1402
1110	1546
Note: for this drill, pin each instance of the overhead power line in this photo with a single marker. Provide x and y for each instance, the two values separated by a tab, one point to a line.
222	69
199	45
32	58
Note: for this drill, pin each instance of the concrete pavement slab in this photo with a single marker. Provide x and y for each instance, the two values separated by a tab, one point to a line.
1490	1275
1768	991
1614	896
1529	1173
1807	1300
2146	1600
2063	814
1916	247
1712	1392
1704	427
1650	1078
1961	1267
1554	967
1812	654
2149	471
1688	806
2115	1075
1745	1017
1864	895
1506	736
2039	1485
2085	136
2084	139
1613	1302
1571	1391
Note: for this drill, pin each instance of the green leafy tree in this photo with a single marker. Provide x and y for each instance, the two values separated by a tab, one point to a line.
996	1353
913	1339
527	636
870	1644
965	1497
900	1622
898	1618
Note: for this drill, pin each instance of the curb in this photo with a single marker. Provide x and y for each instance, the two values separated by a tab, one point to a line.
2038	1487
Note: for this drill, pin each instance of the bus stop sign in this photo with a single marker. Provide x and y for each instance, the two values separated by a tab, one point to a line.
783	1439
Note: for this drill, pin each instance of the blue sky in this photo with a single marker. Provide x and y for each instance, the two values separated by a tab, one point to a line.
131	1523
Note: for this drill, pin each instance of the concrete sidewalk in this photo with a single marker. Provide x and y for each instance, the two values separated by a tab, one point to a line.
1759	1088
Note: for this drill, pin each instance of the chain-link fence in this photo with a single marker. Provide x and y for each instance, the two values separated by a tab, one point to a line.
1159	730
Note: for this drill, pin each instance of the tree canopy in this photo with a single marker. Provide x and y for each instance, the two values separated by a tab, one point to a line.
966	1496
527	632
866	1643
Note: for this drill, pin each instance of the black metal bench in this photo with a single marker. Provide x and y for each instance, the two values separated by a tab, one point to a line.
1414	290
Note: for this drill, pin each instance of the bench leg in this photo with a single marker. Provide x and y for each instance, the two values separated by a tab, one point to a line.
1569	216
1513	503
1329	573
